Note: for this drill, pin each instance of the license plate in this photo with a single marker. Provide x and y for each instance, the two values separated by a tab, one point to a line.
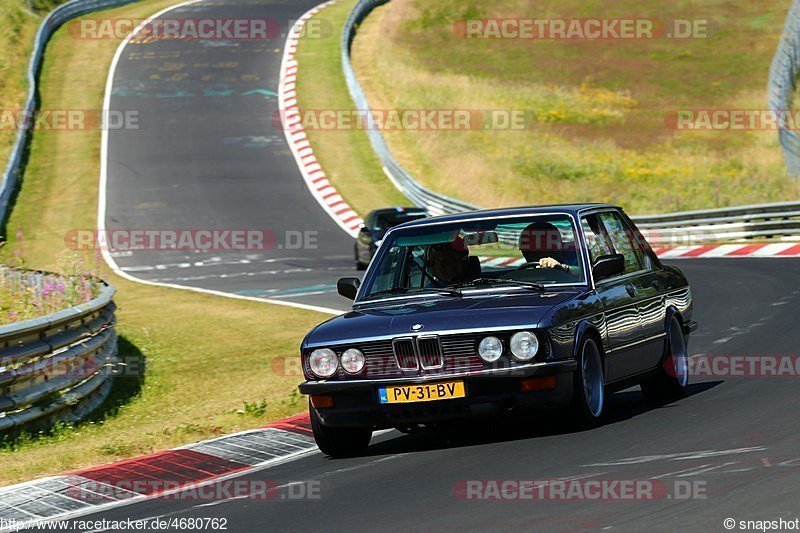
422	393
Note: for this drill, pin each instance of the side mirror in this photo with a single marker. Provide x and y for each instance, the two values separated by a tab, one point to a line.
608	266
348	287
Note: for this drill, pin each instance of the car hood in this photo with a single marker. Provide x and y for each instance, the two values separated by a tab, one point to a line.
437	314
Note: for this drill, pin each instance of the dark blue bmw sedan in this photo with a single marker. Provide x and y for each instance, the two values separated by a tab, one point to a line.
479	313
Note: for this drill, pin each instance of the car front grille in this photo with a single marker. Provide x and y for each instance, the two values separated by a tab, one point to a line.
461	352
421	355
423	352
405	353
430	352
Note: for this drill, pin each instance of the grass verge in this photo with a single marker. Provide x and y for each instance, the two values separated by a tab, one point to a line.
345	154
16	42
214	365
595	111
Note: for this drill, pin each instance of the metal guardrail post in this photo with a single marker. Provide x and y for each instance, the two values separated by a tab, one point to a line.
782	84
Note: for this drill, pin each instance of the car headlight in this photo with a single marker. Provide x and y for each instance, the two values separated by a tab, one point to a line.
490	349
352	361
524	345
323	362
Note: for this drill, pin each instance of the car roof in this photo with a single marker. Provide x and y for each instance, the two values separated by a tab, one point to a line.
398	209
572	209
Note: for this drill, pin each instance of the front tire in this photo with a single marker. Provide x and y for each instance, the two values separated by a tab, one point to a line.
673	373
338	442
588	391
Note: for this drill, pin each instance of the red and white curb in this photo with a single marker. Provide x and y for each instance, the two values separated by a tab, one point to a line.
315	178
157	475
705	251
700	251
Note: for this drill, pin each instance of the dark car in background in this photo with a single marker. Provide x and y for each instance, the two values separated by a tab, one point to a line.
485	312
376	224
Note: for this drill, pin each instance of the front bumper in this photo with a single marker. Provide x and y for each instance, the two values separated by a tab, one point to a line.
488	392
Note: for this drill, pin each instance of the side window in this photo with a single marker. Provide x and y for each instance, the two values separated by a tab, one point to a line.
643	248
622	240
389	270
596	241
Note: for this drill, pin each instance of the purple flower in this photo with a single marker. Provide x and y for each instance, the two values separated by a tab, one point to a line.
48	288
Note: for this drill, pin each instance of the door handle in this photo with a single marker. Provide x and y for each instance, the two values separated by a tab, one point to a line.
631	290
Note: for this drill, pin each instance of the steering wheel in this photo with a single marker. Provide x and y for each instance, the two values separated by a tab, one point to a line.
529	264
433	279
536	264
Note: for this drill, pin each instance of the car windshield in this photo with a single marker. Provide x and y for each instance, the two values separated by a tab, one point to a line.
527	252
390	219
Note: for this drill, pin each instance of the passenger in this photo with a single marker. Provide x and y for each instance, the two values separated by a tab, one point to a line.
449	262
541	243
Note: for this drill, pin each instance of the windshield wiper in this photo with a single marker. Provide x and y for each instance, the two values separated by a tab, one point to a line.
406	290
489	281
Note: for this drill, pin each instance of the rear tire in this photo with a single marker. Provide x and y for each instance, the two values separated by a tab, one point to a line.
588	390
673	372
339	442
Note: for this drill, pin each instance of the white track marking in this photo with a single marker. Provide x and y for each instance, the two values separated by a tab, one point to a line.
678	456
695	470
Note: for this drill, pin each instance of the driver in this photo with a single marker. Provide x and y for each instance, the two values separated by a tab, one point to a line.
541	242
448	262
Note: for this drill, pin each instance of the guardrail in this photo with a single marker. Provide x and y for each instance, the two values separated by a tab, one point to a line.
437	204
783	84
59	366
778	221
49	25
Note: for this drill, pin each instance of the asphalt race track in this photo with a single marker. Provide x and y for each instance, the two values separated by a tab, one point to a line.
207	155
736	439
